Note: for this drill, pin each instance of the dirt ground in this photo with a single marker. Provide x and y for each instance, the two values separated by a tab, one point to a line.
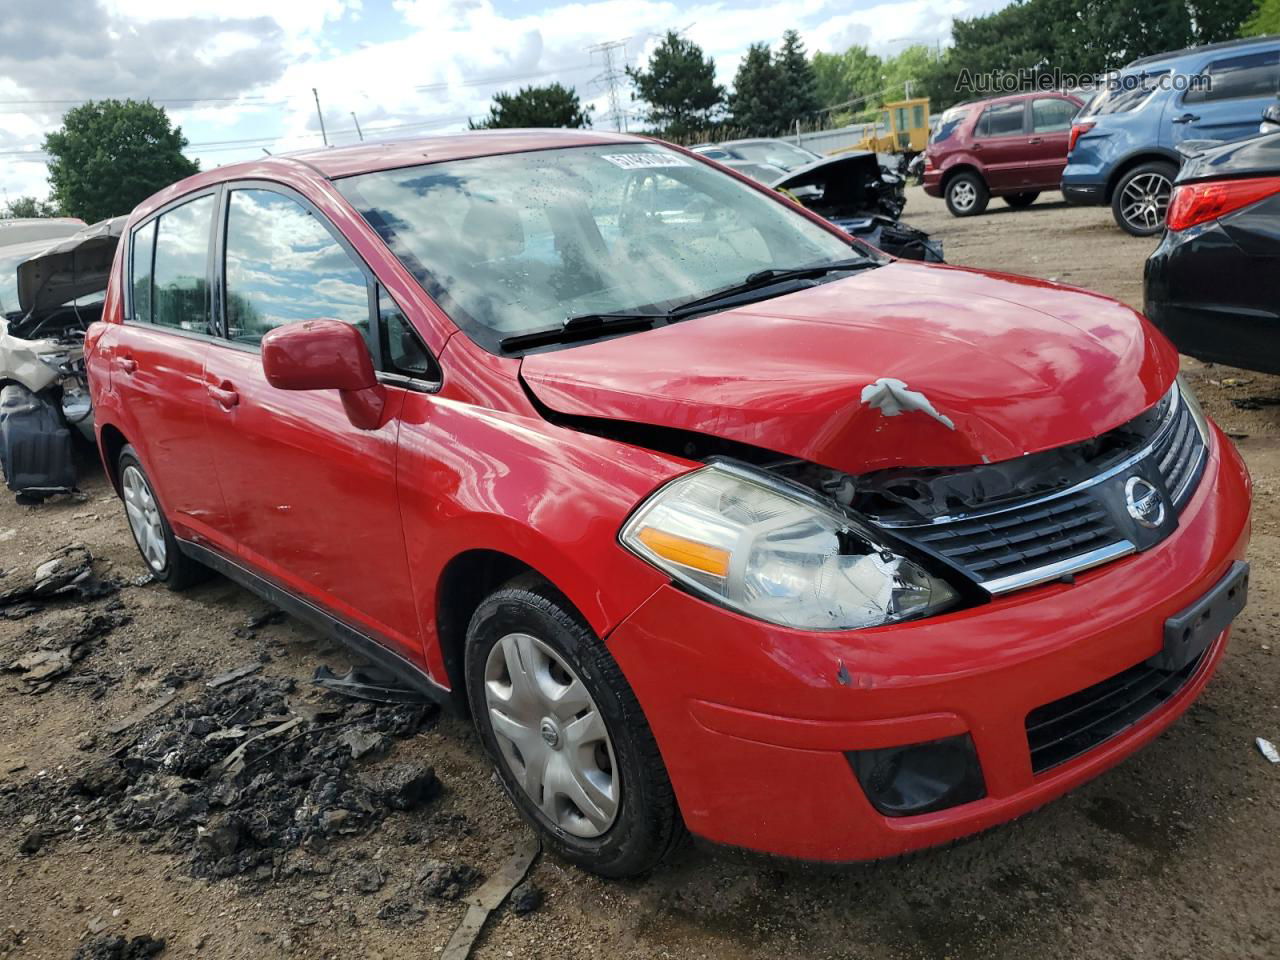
1174	854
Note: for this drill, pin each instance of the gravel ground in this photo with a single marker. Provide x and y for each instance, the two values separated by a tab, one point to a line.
1174	854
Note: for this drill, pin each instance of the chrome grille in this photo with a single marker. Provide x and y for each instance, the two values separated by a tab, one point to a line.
1051	536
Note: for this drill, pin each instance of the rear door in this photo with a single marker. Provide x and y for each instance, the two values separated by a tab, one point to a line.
1229	105
1047	141
1000	144
311	498
156	361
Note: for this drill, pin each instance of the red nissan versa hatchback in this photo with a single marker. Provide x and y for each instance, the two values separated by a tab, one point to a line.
713	517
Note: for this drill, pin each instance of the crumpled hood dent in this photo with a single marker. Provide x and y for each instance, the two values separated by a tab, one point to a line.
1016	365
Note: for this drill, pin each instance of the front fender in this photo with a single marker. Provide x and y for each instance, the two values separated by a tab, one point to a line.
553	498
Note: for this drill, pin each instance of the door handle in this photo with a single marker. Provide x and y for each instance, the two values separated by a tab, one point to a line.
127	364
1035	140
224	394
1186	118
976	147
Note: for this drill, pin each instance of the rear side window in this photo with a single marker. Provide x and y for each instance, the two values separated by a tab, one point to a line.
1239	78
144	248
284	266
1051	115
170	268
1002	120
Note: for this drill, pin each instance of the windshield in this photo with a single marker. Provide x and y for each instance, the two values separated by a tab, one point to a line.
9	282
1124	94
779	153
516	243
948	123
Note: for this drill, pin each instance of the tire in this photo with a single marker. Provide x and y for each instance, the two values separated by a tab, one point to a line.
1141	198
1021	200
150	527
627	821
967	195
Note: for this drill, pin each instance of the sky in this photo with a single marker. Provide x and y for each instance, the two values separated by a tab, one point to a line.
237	75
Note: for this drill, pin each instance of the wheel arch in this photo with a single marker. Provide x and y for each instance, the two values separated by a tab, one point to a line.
1136	160
956	169
111	440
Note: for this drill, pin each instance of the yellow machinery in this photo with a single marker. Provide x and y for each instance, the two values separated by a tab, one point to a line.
903	127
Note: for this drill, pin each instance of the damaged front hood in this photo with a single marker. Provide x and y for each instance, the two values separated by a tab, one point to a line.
905	365
76	266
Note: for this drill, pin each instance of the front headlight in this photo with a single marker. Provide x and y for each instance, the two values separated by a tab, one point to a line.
759	546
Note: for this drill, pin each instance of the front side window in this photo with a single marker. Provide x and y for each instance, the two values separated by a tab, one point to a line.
517	243
1002	120
1051	115
284	266
1239	78
179	296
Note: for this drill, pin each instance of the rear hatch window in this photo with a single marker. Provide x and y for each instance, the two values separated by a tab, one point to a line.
1125	94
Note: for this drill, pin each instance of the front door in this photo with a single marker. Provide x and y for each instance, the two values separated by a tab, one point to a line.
156	360
1229	105
1000	143
311	498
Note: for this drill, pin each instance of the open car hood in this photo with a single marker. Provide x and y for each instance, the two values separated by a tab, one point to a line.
846	185
992	367
75	266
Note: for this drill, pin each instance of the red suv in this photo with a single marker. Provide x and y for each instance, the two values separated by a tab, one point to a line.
1013	147
712	517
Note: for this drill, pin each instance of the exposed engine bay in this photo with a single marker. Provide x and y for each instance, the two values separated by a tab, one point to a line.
54	293
856	193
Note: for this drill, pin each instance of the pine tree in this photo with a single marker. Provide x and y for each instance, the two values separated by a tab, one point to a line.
754	101
679	85
797	83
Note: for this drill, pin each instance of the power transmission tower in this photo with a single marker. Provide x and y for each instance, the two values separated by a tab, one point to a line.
614	77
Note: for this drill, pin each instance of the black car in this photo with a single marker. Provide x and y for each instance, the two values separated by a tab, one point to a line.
1213	284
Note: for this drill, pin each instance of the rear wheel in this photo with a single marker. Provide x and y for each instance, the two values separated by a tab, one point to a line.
1141	198
1020	200
567	736
967	195
151	530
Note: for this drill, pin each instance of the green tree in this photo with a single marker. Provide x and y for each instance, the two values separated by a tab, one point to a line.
852	75
754	101
110	155
20	208
797	94
1264	20
553	105
679	85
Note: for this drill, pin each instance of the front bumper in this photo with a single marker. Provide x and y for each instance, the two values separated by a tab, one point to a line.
754	721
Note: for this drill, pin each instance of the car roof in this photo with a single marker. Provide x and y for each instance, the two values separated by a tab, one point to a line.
335	162
1240	44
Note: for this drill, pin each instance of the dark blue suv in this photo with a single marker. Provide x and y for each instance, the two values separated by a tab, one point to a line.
1123	148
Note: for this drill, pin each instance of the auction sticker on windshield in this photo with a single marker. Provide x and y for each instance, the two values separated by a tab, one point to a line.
639	161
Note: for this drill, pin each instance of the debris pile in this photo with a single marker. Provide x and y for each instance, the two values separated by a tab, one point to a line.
241	775
50	649
118	948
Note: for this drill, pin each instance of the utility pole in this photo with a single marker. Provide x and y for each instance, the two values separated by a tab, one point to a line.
320	114
613	78
359	132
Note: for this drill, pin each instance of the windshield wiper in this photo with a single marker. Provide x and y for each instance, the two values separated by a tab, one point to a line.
583	327
590	325
767	278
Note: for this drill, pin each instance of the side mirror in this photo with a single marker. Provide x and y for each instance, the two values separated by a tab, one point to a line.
326	355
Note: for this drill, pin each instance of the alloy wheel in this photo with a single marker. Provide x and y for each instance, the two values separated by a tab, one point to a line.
144	518
551	735
1145	199
963	196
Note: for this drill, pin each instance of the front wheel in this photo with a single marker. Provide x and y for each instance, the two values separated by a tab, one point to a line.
1141	198
1020	200
967	195
570	743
